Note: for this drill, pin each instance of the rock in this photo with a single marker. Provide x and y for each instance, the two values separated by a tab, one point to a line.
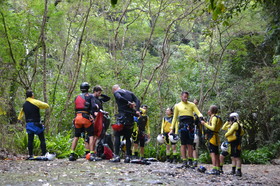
275	161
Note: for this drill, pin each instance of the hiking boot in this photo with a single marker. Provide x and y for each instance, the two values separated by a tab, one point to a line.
195	163
184	165
30	157
238	173
73	157
189	164
93	157
127	159
115	159
213	172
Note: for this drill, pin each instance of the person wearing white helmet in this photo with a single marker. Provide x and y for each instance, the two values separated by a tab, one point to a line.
165	129
233	135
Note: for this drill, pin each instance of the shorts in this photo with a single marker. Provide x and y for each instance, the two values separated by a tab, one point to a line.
213	148
186	137
140	139
235	148
83	124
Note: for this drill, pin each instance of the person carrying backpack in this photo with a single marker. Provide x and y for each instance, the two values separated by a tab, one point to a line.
84	111
234	134
142	132
214	125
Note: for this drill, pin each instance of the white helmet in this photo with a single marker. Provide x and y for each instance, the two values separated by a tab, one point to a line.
174	138
50	156
234	114
224	146
160	138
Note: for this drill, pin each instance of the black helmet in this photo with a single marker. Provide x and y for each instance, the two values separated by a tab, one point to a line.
84	87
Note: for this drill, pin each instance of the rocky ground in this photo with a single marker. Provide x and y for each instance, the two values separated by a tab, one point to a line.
83	172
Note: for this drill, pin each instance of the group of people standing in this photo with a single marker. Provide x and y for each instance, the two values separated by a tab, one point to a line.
183	121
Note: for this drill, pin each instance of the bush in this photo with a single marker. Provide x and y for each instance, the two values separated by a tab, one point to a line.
262	155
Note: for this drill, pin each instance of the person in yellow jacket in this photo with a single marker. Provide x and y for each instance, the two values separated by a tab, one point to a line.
31	111
142	132
165	129
214	125
233	136
184	112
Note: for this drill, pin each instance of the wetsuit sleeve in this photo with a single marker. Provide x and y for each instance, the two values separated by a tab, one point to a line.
162	125
147	128
20	116
137	102
226	126
176	127
195	109
94	106
119	97
232	129
104	98
175	115
213	122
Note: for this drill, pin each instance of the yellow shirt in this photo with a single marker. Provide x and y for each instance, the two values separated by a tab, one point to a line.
39	104
184	109
166	124
215	124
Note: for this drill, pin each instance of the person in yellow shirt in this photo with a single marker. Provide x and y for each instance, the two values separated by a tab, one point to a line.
165	129
214	125
184	112
233	135
142	132
31	111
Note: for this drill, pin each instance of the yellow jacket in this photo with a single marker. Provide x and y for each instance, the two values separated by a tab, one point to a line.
39	104
232	130
215	124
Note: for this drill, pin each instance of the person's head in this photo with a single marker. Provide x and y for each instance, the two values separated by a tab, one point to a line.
144	107
213	109
184	96
195	101
115	88
97	90
29	94
84	87
169	111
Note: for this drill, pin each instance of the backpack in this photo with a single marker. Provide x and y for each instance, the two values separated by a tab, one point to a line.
104	148
81	102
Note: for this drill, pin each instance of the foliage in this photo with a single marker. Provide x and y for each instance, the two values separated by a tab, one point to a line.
261	155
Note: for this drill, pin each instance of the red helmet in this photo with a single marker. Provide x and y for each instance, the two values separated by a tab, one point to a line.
117	127
88	156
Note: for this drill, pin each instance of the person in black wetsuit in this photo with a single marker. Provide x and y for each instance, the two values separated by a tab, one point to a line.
128	106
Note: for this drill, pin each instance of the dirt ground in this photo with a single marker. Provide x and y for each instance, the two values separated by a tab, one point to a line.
83	172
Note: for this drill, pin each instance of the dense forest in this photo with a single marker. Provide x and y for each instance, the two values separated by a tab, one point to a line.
222	52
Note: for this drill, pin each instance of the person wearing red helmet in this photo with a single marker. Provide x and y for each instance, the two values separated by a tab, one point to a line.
128	106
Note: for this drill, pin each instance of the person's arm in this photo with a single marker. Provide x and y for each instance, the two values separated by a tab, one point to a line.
104	98
175	115
213	124
39	104
195	109
147	128
162	125
137	102
233	128
226	126
20	116
120	98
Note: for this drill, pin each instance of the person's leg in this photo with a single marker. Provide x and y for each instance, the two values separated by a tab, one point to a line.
42	143
30	144
74	143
